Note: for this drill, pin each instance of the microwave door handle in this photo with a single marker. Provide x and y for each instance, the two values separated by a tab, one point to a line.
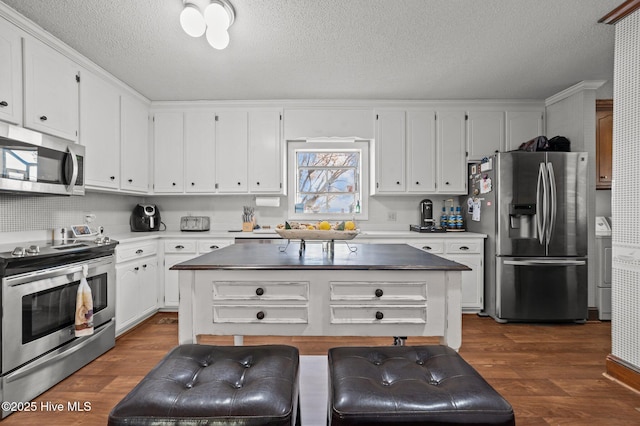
541	194
553	205
74	173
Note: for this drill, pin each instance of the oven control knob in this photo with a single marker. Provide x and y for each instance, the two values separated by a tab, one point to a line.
33	250
18	252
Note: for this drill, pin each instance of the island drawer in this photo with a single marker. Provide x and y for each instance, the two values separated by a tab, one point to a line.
460	247
378	314
261	290
261	314
131	251
383	291
436	246
179	246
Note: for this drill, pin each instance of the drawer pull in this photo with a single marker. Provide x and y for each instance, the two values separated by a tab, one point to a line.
136	268
179	247
379	315
139	251
260	315
426	248
4	104
43	118
144	266
259	291
379	292
214	247
464	248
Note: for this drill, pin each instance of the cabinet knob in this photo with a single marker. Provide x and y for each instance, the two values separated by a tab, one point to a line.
417	183
379	315
173	184
214	247
260	315
4	104
379	292
239	183
426	248
112	177
193	184
139	251
446	183
144	266
179	247
136	268
397	182
43	118
258	183
259	291
130	180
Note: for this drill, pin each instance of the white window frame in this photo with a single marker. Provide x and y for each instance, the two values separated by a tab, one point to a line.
292	165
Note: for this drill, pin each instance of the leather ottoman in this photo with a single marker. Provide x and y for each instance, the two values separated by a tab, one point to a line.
216	385
410	385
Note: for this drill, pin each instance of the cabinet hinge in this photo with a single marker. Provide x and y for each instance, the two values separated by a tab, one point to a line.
216	186
376	116
280	185
435	116
77	78
466	116
216	118
280	117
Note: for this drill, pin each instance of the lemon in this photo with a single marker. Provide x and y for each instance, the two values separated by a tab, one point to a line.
349	225
324	225
311	227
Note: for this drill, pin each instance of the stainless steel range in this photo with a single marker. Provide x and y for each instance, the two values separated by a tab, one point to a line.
39	286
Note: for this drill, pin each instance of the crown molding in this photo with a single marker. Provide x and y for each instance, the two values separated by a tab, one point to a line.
576	88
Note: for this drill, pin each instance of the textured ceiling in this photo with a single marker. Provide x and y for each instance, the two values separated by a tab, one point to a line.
349	49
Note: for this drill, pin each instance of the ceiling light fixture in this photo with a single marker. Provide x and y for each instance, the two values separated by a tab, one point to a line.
213	17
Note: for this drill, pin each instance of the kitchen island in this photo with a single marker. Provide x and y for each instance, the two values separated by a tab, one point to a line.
356	290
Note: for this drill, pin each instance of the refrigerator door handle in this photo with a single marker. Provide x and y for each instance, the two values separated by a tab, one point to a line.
541	196
553	205
545	262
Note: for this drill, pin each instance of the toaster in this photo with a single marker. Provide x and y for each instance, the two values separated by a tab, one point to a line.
194	223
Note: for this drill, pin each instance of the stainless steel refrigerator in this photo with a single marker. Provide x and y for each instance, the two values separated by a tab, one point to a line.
533	208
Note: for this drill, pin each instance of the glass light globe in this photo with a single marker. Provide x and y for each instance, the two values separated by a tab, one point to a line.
218	38
192	21
215	15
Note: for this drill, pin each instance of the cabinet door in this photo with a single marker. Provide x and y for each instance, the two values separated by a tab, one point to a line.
452	159
199	152
390	152
171	287
472	281
148	286
523	126
168	137
604	145
100	131
421	151
485	133
231	151
127	290
265	157
10	74
51	91
134	171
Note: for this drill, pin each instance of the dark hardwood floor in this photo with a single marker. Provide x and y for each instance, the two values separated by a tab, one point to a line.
551	374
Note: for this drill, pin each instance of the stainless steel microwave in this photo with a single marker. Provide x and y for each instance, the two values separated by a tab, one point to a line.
32	162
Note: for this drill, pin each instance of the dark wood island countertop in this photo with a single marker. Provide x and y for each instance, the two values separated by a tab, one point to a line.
365	257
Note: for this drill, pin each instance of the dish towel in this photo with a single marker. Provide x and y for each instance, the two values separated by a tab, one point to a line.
84	308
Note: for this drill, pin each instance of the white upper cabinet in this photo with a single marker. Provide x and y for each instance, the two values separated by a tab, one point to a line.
265	155
390	152
523	126
452	164
421	151
485	133
199	152
134	153
100	131
231	151
168	134
51	91
10	74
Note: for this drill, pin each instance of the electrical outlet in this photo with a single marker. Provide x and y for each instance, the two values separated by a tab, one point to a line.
89	217
392	216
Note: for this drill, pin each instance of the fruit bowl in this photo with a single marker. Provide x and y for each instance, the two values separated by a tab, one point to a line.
316	234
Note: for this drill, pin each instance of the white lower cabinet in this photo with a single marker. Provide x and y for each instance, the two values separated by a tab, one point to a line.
178	251
136	283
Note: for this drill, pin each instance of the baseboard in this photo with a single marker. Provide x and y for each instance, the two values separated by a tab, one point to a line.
624	373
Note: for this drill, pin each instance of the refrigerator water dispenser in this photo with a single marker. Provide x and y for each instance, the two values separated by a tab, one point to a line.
522	221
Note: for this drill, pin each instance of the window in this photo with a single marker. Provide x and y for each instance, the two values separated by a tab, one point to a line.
327	180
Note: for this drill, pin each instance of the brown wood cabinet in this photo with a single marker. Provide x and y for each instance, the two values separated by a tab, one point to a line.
604	143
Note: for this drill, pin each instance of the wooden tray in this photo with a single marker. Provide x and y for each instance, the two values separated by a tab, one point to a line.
316	234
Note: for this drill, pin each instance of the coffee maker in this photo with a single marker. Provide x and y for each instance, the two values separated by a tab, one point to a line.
427	222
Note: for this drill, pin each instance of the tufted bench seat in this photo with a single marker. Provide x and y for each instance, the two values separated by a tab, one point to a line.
410	385
216	385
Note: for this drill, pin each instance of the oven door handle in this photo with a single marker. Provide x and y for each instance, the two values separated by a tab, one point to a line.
57	354
33	276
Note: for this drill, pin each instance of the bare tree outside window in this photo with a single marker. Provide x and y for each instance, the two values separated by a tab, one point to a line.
327	181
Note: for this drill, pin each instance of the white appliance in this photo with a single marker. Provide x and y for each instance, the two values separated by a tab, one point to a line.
603	267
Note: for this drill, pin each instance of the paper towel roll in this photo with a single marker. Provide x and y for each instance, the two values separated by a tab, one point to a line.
267	201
